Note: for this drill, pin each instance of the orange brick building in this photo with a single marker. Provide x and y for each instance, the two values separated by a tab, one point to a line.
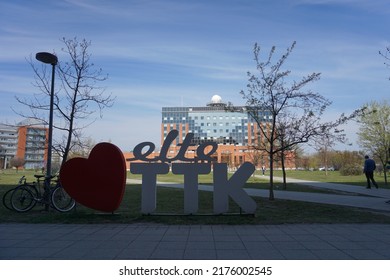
32	146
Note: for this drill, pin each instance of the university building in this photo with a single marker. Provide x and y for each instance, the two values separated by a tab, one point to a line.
8	144
26	140
233	130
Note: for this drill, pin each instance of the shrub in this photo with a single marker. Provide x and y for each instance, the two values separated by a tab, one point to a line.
351	170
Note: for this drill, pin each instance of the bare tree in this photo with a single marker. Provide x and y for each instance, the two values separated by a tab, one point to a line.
386	56
325	142
285	113
77	97
269	92
82	149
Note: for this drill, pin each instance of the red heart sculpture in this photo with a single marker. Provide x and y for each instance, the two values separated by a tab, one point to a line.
97	182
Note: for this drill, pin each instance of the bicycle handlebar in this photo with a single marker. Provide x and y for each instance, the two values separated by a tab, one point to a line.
23	178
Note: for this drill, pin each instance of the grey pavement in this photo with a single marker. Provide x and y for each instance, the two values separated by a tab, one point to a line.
354	196
155	241
190	242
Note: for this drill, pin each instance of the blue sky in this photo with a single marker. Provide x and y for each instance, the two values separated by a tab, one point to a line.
176	52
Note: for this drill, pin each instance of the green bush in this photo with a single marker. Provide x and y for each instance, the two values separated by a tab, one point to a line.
351	170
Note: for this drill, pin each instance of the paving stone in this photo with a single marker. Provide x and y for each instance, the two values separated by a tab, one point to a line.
163	254
290	254
233	255
199	254
144	241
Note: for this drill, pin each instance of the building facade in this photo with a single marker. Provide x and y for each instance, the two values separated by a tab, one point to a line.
212	122
234	130
8	144
27	140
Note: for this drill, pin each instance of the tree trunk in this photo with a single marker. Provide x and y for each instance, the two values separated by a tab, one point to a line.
283	170
71	122
271	175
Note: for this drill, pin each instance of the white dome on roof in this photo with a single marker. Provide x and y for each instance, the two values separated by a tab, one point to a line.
216	99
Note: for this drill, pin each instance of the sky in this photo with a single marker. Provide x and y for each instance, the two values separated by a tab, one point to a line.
165	53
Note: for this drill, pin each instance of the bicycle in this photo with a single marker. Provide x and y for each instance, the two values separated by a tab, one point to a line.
26	195
61	200
7	194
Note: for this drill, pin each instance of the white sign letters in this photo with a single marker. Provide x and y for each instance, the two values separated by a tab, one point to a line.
191	168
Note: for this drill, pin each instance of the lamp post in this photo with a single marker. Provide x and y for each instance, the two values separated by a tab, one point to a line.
49	58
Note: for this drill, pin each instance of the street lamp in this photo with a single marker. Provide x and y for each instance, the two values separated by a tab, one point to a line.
49	58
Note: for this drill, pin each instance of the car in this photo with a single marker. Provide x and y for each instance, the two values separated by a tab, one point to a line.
324	168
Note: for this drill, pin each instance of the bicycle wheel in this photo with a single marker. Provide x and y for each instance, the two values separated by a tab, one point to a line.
61	200
7	199
22	199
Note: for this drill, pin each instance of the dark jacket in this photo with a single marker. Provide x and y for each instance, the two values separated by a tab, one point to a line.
369	165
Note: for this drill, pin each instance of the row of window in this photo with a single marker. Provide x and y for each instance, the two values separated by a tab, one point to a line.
171	125
34	158
216	131
9	145
173	118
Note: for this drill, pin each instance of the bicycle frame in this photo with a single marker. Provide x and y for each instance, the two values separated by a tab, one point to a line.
25	196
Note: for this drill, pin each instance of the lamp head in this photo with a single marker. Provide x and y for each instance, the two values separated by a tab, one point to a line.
46	57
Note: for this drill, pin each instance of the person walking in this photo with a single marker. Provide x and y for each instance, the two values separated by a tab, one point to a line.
263	170
369	167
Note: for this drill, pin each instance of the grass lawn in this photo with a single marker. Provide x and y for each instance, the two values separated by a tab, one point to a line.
171	201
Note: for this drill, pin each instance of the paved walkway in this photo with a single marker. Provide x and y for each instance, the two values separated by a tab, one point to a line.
150	241
356	196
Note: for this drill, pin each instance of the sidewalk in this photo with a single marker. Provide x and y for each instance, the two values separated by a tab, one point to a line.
189	242
359	196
